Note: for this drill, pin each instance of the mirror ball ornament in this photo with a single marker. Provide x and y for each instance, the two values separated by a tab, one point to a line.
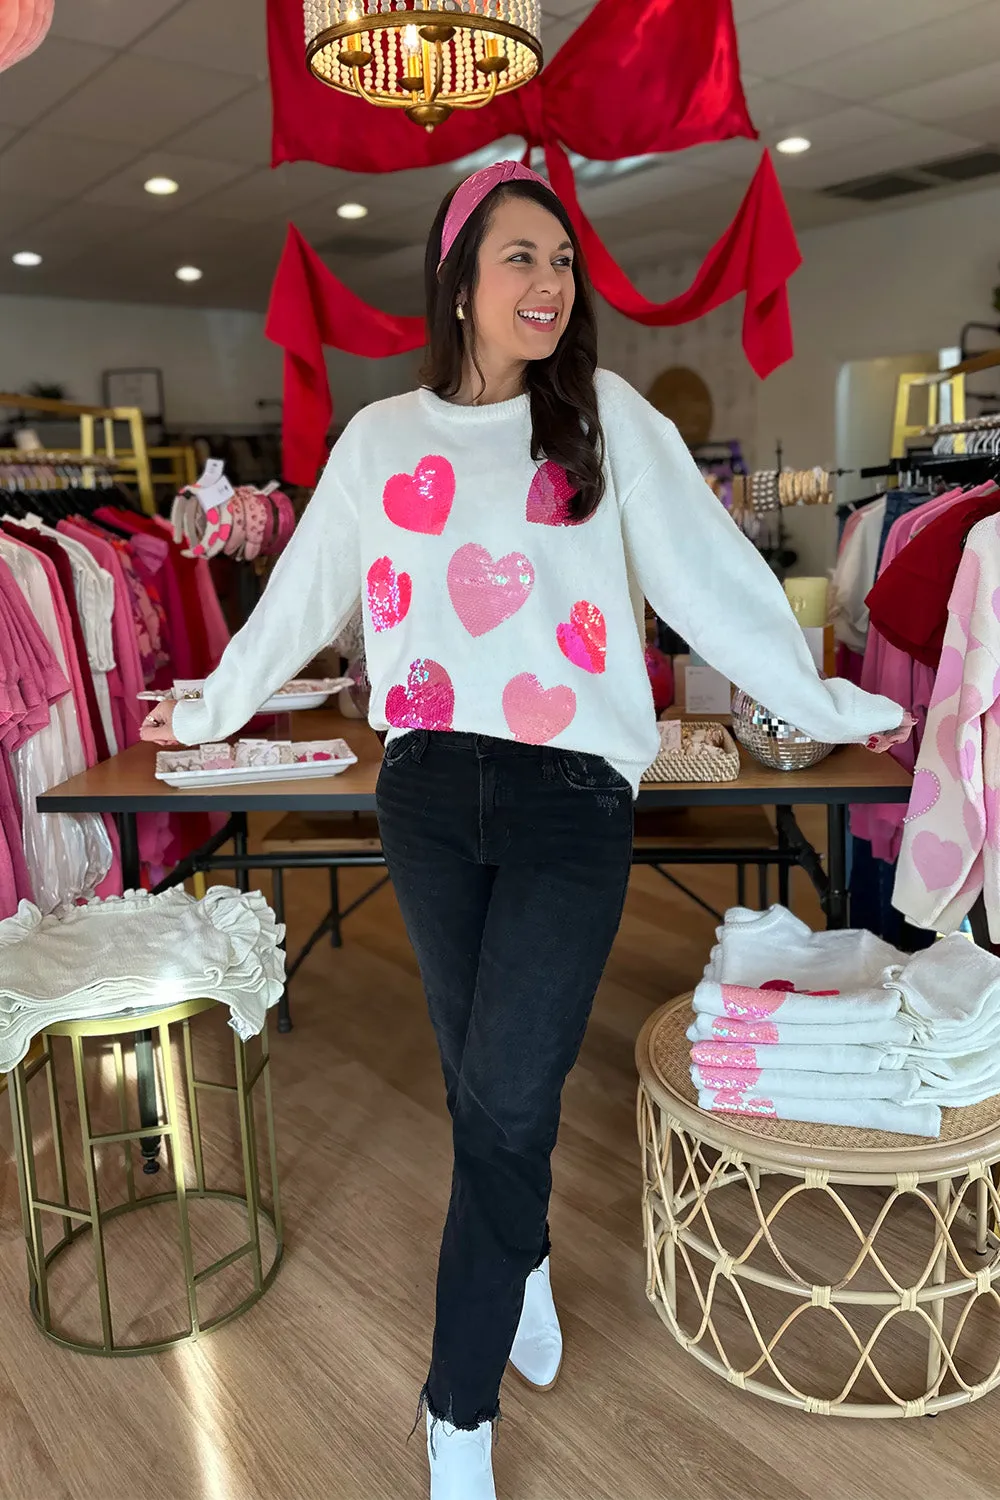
771	740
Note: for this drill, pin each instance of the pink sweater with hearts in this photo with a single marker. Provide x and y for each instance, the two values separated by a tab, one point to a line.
487	610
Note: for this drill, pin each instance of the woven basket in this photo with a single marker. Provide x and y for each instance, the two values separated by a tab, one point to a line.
720	762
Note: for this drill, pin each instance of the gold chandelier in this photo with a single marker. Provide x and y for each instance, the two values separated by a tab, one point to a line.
423	57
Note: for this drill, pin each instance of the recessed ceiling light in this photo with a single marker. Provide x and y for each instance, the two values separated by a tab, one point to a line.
188	273
161	187
27	258
352	211
794	145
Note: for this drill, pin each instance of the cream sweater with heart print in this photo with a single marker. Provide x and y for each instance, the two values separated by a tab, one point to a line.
487	610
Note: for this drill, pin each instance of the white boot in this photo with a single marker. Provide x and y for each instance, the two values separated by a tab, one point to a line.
538	1343
461	1462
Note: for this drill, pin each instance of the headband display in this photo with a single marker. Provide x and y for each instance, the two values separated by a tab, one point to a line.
472	192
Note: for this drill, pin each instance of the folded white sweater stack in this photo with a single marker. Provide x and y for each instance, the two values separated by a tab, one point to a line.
138	952
841	1028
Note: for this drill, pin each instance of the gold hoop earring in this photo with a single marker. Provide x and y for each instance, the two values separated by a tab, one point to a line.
460	313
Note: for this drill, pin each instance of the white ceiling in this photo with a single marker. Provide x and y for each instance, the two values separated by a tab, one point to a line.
125	89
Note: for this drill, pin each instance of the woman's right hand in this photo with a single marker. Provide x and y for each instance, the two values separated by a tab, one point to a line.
157	726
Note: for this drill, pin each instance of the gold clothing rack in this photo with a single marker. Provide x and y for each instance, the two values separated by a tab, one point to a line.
97	440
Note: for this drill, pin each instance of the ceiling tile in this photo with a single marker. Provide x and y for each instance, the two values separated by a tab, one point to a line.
644	190
799	35
59	166
911	57
847	127
47	76
195	178
267	194
739	158
143	100
561	9
749	10
113	23
240	131
231	36
20	210
7	133
981	125
908	148
774	105
963	93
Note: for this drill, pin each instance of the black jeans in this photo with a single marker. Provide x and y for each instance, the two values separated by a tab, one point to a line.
510	864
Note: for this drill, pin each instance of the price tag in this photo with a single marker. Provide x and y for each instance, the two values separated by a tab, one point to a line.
213	488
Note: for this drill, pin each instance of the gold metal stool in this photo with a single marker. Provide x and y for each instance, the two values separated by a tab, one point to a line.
847	1272
34	1157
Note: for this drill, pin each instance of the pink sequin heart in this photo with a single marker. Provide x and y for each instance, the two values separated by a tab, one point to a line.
751	1004
421	501
535	714
426	702
924	794
938	862
549	496
389	594
484	592
583	638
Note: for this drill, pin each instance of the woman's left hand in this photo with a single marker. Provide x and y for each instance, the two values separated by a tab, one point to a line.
882	742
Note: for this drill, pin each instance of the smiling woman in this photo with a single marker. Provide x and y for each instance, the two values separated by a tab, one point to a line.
510	308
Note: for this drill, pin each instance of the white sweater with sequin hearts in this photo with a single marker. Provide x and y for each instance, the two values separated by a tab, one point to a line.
487	610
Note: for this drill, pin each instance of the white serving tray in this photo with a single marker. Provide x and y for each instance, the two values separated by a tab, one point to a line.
307	770
281	703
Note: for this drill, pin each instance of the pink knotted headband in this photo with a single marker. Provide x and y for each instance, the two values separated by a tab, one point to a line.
472	192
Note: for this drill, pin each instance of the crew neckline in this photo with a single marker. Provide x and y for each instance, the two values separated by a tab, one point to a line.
495	411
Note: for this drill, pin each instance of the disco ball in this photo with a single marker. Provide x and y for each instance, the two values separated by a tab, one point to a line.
772	740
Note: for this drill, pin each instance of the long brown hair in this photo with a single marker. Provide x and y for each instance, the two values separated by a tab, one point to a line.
565	422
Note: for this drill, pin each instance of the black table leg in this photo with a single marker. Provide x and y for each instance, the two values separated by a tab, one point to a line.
784	870
836	899
239	821
149	1112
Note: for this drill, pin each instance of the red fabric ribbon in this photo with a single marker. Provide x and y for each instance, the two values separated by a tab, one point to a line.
664	74
756	255
309	308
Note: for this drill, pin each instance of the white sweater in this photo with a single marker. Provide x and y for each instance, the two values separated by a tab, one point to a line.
484	611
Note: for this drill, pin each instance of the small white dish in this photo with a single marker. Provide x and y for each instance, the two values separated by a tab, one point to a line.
308	770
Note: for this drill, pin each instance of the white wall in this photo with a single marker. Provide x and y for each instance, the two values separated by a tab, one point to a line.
216	363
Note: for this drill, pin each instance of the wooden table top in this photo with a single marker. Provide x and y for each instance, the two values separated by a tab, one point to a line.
126	782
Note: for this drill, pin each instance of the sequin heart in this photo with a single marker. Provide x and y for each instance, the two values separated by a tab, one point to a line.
389	594
583	639
550	495
484	592
426	702
924	794
421	501
535	714
938	862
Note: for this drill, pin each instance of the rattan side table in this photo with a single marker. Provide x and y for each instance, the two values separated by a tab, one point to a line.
44	1149
845	1272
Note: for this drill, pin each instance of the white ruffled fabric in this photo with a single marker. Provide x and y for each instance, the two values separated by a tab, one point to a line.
138	952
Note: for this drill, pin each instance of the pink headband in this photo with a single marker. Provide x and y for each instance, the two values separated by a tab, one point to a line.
472	192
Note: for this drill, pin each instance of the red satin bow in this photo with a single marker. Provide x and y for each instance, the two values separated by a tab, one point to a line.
675	83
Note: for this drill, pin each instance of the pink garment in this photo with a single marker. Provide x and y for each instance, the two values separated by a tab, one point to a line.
215	621
886	669
951	841
83	724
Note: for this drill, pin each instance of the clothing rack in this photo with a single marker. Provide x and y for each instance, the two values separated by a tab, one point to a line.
97	437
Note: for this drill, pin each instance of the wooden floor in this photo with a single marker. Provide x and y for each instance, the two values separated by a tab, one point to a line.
312	1394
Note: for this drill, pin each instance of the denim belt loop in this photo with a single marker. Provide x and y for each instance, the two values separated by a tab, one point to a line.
421	739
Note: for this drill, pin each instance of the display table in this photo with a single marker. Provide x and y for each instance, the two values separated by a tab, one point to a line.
126	785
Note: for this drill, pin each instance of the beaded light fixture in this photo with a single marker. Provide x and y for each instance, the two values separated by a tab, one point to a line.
426	59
